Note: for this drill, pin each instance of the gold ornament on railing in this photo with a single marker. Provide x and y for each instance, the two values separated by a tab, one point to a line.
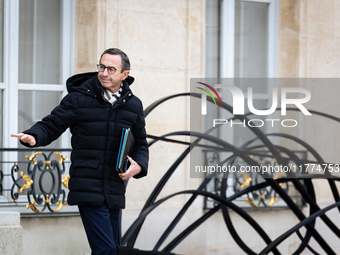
61	158
33	207
28	182
247	180
33	156
64	181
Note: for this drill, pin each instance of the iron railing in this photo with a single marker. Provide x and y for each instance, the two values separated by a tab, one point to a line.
36	179
238	180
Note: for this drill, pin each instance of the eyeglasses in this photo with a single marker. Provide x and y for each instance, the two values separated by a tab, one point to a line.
110	69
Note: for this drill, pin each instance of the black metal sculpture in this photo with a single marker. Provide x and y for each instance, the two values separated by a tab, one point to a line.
302	181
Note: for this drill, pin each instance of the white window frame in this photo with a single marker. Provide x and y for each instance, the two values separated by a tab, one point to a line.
11	85
227	58
228	37
227	47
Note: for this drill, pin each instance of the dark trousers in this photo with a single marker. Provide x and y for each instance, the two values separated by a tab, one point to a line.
101	227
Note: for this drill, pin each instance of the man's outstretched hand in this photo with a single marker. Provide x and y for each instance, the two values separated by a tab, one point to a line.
25	138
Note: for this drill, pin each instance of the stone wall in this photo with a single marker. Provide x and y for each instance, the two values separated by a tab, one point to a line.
54	235
11	233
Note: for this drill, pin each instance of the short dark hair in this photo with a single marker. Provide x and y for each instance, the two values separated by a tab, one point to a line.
125	59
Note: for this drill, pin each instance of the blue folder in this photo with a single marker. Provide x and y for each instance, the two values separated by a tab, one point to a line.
127	142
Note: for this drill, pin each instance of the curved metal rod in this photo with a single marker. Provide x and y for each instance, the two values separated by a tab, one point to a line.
151	107
230	225
172	245
148	210
181	213
303	223
308	194
131	240
306	243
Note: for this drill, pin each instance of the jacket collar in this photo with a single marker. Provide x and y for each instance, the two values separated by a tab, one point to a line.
88	83
99	90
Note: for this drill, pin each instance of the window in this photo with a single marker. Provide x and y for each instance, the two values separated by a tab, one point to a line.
36	50
241	38
38	60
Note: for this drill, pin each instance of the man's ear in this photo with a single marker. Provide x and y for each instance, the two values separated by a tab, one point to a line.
126	74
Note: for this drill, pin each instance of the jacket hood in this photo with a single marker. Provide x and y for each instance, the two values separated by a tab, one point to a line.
82	82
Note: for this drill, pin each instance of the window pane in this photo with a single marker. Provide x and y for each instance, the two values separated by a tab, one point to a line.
251	39
1	39
39	40
212	39
33	106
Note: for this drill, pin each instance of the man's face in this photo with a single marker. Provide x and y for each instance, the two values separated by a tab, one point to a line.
112	81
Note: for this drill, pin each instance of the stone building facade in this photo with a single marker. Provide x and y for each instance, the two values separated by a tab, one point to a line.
167	45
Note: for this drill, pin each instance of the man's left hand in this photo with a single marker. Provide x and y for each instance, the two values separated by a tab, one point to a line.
131	171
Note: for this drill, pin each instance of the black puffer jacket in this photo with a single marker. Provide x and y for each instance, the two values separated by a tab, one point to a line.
96	127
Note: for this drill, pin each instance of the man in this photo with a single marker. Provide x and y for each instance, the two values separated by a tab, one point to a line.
96	109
